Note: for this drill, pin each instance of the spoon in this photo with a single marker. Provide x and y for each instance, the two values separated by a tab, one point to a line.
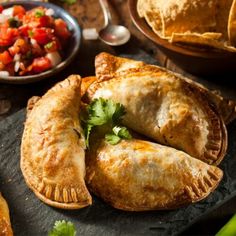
113	35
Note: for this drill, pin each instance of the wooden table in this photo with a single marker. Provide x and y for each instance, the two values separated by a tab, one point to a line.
89	15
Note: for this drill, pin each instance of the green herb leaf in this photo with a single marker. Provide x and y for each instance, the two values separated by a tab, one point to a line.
102	111
122	132
106	113
229	229
87	131
48	45
63	228
39	13
112	139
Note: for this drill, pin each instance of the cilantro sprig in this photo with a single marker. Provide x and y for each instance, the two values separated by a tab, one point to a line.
108	114
63	228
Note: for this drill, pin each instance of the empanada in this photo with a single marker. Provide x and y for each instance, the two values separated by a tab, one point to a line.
137	175
5	223
107	65
53	147
162	106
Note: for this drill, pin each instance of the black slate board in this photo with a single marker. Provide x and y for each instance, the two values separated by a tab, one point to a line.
32	217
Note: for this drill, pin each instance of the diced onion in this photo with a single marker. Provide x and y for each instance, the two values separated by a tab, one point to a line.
90	34
8	12
54	57
16	57
33	41
4	73
49	12
17	66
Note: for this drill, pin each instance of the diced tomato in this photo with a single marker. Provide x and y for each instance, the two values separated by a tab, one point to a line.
61	29
24	30
41	64
42	35
1	66
1	8
19	11
7	35
45	21
36	18
37	51
20	46
5	57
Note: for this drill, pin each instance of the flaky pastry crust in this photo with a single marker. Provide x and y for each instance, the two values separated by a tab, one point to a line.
5	223
53	147
137	175
162	106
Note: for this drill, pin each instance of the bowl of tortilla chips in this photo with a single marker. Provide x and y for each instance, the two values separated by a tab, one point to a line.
198	35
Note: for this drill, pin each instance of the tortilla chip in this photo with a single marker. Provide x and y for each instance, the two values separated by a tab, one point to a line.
232	24
179	16
154	20
206	40
142	7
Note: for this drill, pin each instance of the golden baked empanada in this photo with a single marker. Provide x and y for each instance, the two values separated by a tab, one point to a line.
5	223
53	147
137	175
162	106
108	65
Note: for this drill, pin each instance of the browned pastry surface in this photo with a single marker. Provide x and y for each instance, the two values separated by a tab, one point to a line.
162	106
137	175
53	147
5	223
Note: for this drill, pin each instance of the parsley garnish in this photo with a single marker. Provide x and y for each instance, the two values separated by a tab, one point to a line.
104	112
117	134
39	13
63	228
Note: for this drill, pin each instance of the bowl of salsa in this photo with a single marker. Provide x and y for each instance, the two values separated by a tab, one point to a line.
37	40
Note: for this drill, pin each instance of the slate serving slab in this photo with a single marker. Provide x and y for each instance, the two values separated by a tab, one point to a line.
32	217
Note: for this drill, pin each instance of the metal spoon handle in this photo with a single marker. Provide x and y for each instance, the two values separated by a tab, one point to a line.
106	12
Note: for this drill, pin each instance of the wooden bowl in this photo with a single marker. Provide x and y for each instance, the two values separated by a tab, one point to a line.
196	61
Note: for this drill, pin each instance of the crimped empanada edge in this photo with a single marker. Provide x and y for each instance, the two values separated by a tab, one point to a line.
31	182
198	94
190	195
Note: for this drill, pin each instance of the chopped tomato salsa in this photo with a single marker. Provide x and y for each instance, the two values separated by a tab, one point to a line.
30	41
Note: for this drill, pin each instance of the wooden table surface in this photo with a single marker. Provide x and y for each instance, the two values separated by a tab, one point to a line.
89	15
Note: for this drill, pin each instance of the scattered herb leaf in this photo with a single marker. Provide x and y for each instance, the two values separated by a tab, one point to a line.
63	228
122	132
112	139
39	13
105	112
